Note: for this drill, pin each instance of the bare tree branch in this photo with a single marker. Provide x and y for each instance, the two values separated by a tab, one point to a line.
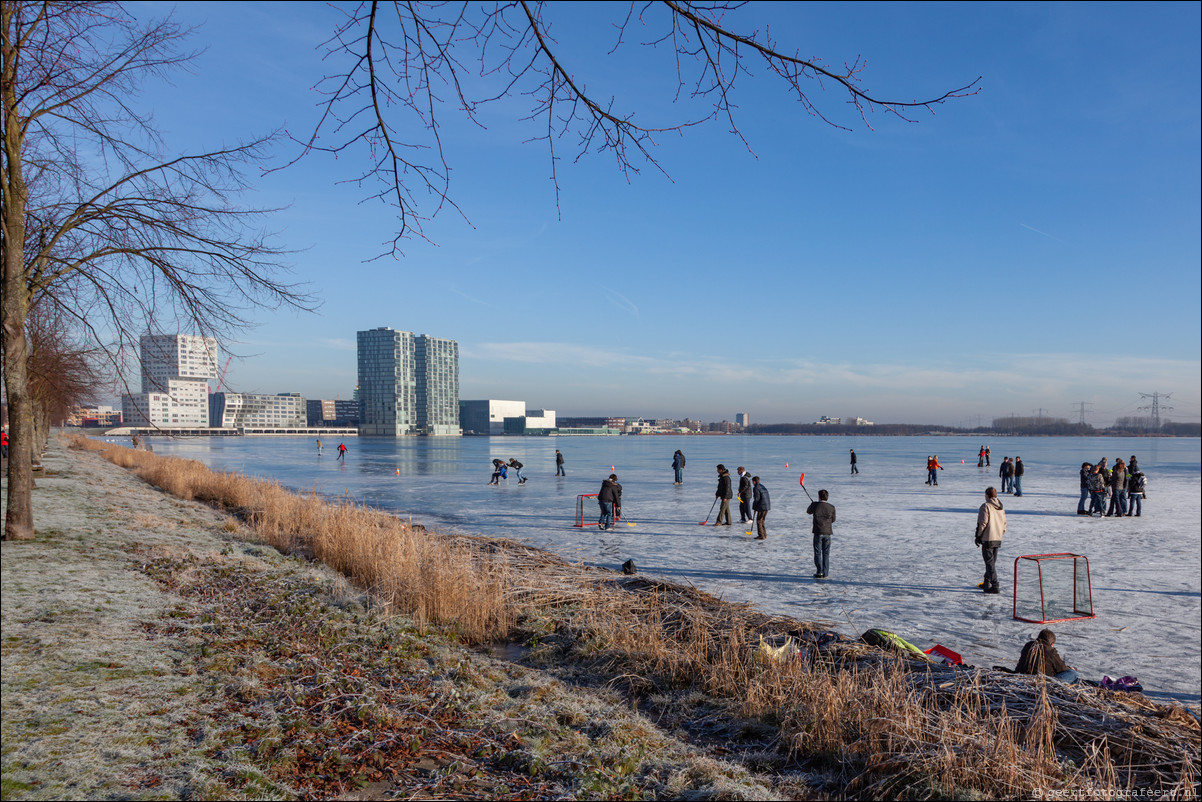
387	96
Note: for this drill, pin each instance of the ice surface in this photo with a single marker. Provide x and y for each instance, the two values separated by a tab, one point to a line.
902	556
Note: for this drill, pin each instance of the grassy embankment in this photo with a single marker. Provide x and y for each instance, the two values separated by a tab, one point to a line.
847	719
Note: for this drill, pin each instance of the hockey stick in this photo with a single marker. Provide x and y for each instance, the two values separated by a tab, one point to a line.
802	482
711	512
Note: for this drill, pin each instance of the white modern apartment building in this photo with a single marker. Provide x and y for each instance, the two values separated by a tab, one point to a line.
257	411
176	369
408	384
487	416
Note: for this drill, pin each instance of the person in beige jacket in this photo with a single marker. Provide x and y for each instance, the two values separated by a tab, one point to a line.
991	525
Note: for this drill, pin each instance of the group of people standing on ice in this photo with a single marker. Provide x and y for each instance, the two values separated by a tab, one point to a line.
1124	484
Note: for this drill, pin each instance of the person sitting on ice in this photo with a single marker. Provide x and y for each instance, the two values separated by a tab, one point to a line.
1039	656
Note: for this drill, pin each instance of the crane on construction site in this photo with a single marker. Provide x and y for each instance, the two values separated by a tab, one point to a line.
221	378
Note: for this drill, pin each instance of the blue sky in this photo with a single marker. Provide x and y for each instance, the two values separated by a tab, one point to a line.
1027	248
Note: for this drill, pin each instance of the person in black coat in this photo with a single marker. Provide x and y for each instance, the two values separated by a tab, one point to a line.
610	499
744	496
724	494
761	505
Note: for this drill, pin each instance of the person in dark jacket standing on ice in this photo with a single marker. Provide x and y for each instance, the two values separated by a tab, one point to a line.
559	471
854	469
761	506
1016	482
724	494
824	518
1005	471
610	499
678	466
991	525
744	496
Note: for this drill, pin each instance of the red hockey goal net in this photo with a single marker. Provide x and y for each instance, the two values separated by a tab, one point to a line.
586	501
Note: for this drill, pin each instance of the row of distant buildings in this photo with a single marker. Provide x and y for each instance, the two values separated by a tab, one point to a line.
408	385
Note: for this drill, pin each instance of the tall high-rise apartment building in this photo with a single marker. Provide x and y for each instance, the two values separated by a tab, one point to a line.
176	369
408	384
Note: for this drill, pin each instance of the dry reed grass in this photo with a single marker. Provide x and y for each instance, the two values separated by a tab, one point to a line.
887	726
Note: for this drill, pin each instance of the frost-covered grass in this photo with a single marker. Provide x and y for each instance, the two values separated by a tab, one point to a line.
152	649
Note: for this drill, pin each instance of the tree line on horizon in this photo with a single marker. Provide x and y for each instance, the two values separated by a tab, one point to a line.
1032	427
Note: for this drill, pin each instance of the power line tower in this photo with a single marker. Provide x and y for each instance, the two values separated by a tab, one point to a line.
1156	406
1081	405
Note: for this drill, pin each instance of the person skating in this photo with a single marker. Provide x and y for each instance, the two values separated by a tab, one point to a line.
517	469
1039	656
342	452
929	471
1016	481
744	496
981	457
498	470
824	519
761	505
678	466
987	453
991	525
559	471
319	446
724	494
934	468
610	499
854	469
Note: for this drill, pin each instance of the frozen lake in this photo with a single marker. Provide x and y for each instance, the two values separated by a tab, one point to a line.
902	556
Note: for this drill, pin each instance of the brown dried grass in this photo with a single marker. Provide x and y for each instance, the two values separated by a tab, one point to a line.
889	727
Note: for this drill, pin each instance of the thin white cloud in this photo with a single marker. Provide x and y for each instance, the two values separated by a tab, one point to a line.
1037	231
621	301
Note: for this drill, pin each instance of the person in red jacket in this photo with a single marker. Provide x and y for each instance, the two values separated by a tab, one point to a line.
932	467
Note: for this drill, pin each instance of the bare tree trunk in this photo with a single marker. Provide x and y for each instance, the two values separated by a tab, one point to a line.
18	519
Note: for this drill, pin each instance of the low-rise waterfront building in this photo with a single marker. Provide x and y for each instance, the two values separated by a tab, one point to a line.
257	411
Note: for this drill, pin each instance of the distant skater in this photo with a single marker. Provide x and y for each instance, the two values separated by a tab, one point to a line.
559	471
981	457
1016	481
991	525
319	446
854	469
987	452
761	505
1004	472
724	494
342	452
933	468
824	519
609	498
745	508
517	469
678	466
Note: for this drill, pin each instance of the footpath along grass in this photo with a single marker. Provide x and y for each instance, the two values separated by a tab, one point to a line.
310	688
